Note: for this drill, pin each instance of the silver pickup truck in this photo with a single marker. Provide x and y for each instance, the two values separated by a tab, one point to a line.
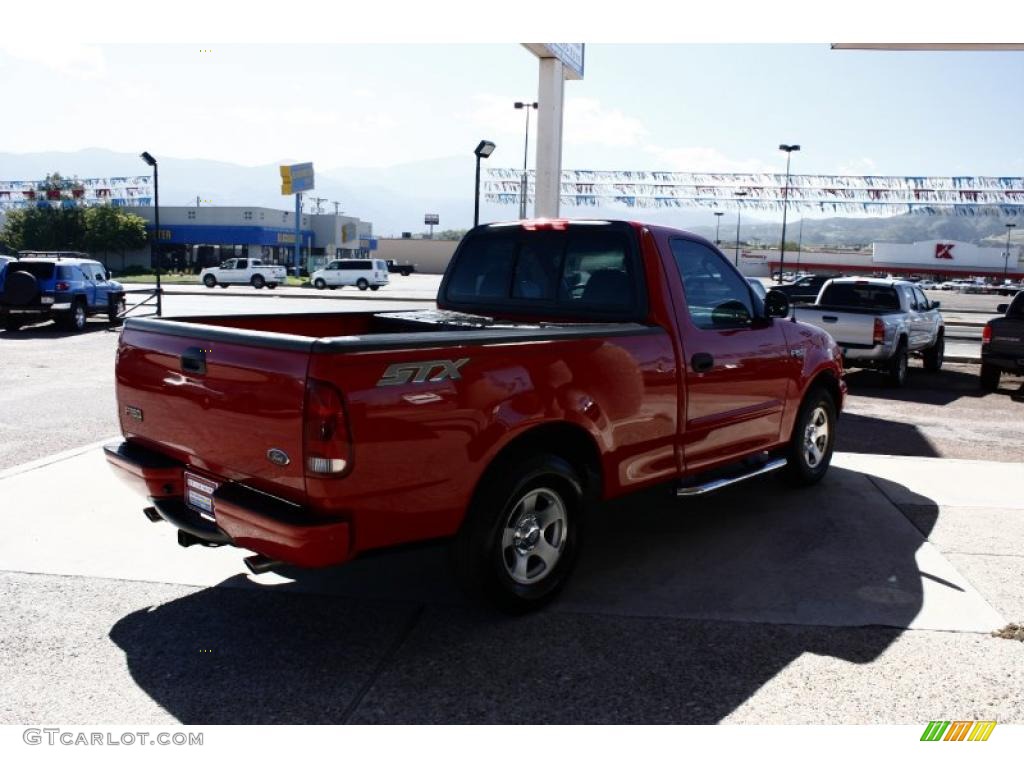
879	324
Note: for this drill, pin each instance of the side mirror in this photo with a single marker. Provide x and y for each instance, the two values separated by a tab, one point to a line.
776	304
1001	309
936	304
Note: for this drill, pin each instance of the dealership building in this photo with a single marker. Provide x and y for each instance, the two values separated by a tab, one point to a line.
934	259
199	236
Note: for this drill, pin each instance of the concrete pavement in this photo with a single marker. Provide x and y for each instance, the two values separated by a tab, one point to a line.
828	604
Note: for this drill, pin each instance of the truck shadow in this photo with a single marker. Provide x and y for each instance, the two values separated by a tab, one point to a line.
863	434
939	388
678	613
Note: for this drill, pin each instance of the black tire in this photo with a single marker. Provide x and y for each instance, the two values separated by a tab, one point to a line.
935	354
489	564
11	324
223	285
20	288
271	286
209	281
990	377
898	365
804	465
406	273
362	284
116	310
374	287
257	281
319	284
75	320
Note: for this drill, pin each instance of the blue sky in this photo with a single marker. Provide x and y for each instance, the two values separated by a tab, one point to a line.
673	107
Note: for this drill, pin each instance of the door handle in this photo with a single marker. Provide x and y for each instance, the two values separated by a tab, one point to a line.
702	362
193	360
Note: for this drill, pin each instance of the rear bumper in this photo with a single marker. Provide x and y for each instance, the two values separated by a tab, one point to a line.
1003	362
244	517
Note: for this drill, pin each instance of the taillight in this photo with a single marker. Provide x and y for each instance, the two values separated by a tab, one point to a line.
986	335
63	286
878	337
326	439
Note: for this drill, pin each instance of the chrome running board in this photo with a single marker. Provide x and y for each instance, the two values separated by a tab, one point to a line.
715	485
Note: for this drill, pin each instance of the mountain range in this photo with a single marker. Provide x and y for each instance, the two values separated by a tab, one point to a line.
396	198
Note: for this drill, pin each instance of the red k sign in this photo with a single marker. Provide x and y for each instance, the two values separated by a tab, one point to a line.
944	251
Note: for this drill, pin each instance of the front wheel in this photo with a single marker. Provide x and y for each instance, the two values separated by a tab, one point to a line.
209	281
814	436
990	377
115	315
362	284
522	533
319	284
11	325
934	355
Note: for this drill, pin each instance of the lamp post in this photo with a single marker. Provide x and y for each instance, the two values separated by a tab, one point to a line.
789	149
154	254
483	149
1006	256
736	258
718	226
800	244
525	105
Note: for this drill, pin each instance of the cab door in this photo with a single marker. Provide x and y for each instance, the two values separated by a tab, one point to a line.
100	285
737	362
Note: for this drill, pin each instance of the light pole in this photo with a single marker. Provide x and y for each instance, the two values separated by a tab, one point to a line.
154	254
1006	257
525	105
800	244
789	149
483	149
739	205
718	226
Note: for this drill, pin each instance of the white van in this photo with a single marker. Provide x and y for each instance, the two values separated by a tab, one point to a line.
362	273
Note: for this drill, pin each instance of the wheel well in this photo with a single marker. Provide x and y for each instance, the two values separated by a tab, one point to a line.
827	381
565	440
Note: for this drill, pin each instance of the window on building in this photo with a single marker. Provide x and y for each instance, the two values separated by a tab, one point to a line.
191	214
247	215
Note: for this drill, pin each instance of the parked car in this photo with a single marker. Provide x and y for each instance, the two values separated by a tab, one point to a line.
244	272
362	273
67	289
402	269
552	375
1002	343
927	285
879	324
805	289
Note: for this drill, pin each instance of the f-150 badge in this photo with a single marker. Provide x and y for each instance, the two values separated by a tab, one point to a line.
431	371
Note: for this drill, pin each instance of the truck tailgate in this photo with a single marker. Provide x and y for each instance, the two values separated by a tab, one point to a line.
846	327
218	405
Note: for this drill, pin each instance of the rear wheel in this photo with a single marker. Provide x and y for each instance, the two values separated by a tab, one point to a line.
76	318
362	284
897	371
814	436
374	287
209	281
319	284
258	281
522	533
934	355
990	377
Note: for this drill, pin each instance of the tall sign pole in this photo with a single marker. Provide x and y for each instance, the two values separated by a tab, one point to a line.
296	179
558	62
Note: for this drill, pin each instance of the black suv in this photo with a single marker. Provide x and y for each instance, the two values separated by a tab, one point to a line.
1002	343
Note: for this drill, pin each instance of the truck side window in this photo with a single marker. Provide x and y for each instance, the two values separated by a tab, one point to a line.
716	296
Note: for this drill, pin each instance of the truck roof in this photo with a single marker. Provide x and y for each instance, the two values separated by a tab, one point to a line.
871	281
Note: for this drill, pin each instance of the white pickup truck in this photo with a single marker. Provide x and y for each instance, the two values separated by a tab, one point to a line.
243	272
879	324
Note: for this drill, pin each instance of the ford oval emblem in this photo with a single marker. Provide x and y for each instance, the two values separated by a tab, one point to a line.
279	457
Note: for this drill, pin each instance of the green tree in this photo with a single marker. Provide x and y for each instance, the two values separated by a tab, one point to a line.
45	229
113	229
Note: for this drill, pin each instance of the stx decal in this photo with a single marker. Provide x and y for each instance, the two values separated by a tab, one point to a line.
419	373
958	730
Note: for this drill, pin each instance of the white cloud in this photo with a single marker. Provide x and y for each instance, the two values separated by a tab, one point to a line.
704	160
863	166
84	62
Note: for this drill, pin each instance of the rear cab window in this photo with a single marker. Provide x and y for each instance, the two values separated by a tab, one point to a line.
861	296
577	271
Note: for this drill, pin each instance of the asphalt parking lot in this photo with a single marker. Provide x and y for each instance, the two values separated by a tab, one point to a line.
867	599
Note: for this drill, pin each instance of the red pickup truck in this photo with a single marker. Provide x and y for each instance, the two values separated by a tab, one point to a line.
567	362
